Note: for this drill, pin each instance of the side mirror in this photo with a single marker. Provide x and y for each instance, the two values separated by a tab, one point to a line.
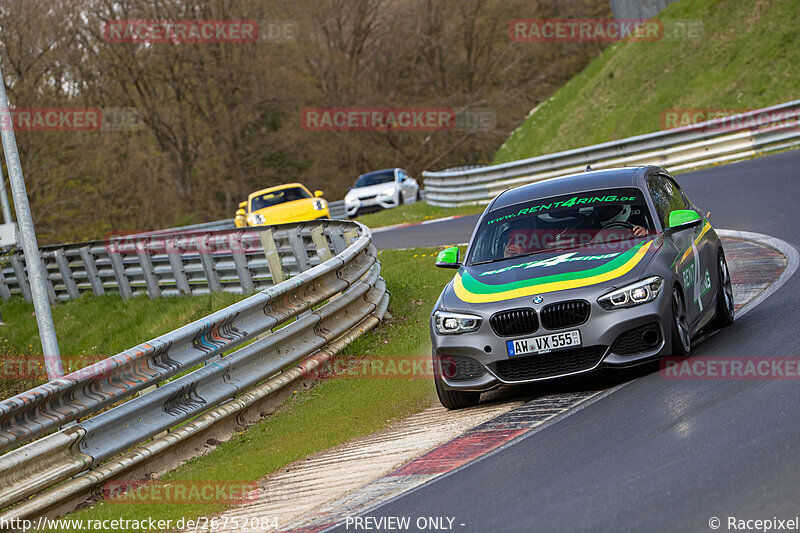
317	194
682	219
448	258
242	205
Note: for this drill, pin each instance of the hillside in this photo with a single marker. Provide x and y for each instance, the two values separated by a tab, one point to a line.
745	58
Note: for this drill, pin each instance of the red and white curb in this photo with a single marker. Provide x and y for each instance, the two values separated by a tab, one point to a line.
476	443
301	488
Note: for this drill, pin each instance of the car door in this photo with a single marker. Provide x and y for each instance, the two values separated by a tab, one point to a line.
705	246
413	187
405	185
691	261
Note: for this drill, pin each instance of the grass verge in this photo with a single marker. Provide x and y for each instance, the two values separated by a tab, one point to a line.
331	413
90	329
417	212
745	59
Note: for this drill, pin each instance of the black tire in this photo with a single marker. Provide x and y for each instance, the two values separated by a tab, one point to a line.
725	310
419	195
455	399
399	199
681	339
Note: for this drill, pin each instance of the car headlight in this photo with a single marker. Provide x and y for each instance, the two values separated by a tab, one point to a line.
455	323
389	192
634	294
257	219
319	204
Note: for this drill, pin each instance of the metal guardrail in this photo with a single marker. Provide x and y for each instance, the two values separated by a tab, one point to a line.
714	141
170	264
321	309
214	225
337	210
197	259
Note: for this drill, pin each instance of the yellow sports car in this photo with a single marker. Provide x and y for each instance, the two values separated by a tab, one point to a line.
291	202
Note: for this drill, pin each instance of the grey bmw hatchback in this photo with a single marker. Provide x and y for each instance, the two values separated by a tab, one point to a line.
606	268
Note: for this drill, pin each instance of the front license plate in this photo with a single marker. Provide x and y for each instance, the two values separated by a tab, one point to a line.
545	343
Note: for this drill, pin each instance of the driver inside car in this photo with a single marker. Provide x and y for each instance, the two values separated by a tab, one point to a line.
521	237
524	236
618	216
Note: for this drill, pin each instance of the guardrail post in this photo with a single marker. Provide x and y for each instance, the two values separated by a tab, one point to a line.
320	243
273	259
153	290
91	270
337	239
66	273
299	251
119	271
48	281
5	292
240	260
22	278
350	236
207	261
176	263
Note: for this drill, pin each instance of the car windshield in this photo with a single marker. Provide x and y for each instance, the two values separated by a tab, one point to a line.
561	222
374	178
277	197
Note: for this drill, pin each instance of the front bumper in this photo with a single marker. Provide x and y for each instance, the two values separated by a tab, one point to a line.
608	339
321	214
370	204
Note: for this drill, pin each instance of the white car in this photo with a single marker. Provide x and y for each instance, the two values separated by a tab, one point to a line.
381	189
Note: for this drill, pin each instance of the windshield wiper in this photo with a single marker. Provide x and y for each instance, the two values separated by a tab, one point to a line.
491	261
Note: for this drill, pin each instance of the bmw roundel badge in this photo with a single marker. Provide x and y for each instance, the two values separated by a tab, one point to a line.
538	299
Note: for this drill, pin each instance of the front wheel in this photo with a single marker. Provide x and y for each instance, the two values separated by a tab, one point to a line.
724	314
681	339
455	399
